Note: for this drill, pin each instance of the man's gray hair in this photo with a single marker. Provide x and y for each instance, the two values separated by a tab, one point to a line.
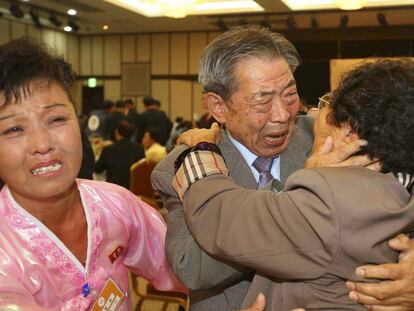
220	58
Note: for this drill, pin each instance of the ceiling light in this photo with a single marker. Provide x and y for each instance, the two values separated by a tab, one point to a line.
105	27
72	12
351	4
301	5
175	8
16	11
230	6
67	28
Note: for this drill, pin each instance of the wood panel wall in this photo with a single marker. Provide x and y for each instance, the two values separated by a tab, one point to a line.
173	59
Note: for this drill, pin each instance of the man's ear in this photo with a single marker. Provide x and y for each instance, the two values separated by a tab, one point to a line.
217	107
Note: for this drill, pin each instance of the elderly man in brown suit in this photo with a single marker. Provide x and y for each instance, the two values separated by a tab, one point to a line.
309	238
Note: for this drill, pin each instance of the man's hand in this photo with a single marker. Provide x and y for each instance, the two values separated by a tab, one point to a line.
341	154
258	305
396	292
195	136
333	146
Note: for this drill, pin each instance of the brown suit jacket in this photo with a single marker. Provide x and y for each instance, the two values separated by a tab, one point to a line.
306	240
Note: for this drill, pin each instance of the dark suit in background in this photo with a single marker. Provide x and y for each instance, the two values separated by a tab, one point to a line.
113	122
154	118
117	159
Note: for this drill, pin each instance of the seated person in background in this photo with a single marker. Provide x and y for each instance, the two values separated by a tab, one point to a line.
117	158
62	240
327	221
153	150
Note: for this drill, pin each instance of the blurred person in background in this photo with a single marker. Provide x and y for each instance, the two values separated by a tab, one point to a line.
118	114
152	116
116	159
154	151
131	110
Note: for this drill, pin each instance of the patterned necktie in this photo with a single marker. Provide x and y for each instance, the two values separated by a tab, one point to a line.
263	166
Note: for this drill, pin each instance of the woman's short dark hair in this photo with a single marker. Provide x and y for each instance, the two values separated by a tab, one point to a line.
25	60
153	132
377	98
126	129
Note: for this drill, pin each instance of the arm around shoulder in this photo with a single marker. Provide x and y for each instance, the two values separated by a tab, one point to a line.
244	226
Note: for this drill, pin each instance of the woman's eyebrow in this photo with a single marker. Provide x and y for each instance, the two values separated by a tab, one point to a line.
9	116
12	115
54	105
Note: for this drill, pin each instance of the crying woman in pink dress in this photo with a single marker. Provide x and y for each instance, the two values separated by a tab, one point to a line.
63	240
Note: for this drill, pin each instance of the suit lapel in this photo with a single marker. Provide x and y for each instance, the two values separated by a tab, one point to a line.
239	170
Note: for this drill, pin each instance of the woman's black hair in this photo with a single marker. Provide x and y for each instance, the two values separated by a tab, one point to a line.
25	61
377	99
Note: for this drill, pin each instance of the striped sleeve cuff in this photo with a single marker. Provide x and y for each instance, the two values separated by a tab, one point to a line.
197	165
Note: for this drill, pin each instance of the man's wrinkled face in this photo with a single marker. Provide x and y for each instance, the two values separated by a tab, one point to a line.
261	113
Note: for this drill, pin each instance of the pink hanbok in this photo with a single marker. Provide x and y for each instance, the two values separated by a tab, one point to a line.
37	271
